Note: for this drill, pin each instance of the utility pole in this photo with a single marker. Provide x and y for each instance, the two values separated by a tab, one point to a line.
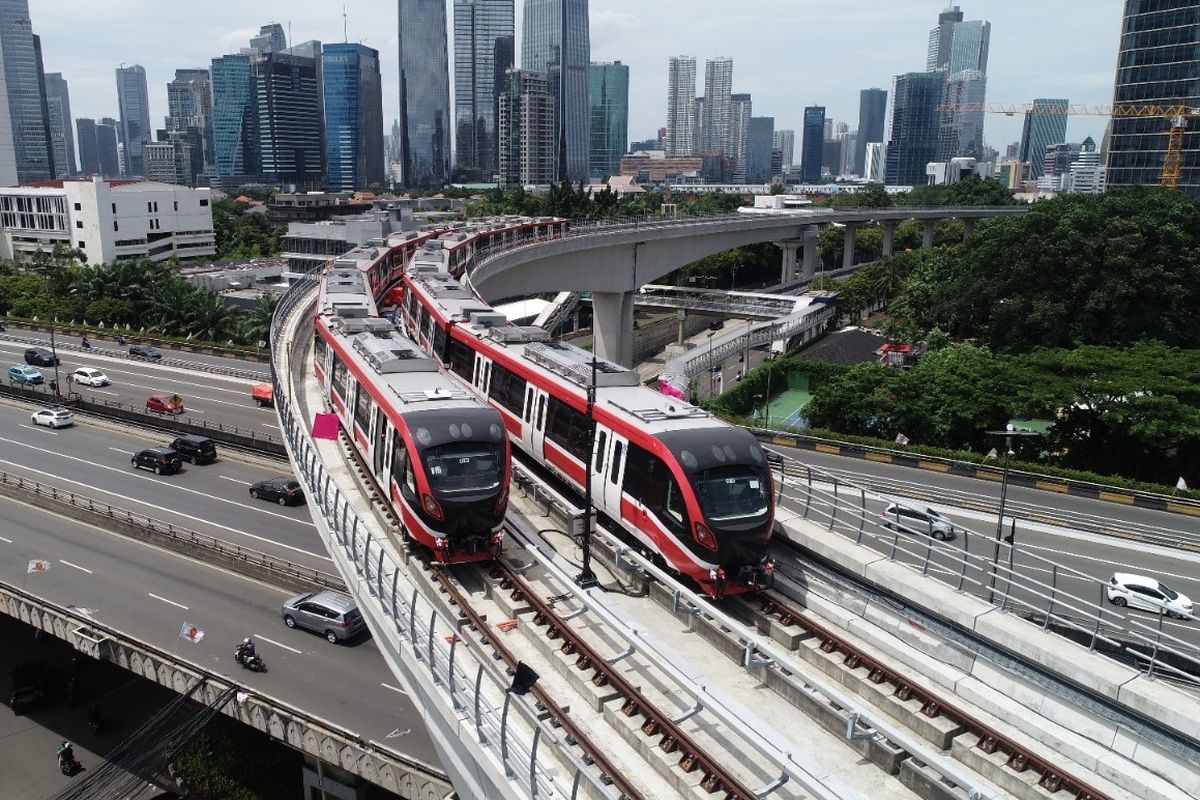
587	578
1008	433
54	358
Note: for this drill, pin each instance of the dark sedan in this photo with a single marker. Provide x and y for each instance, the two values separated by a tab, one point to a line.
285	491
144	351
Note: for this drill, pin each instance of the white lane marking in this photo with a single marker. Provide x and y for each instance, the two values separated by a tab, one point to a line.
393	688
119	450
167	510
158	481
165	600
278	644
76	566
235	480
2	539
265	425
36	428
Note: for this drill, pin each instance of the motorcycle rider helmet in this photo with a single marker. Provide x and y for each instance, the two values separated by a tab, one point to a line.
246	640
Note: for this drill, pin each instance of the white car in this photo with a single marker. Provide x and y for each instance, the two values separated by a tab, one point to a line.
53	418
1148	594
90	377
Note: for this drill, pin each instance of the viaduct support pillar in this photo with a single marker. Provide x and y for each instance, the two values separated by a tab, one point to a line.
791	258
968	227
848	246
889	237
612	326
928	240
810	252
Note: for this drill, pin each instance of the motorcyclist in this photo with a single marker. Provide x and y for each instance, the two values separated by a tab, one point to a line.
66	754
245	650
120	339
84	343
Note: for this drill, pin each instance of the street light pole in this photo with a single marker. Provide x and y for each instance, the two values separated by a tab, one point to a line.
587	577
54	358
1008	433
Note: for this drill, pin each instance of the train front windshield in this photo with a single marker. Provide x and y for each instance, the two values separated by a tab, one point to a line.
732	494
464	468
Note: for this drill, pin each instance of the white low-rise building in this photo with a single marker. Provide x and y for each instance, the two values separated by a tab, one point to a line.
109	220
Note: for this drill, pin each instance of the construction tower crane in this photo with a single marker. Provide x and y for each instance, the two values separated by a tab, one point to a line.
1177	117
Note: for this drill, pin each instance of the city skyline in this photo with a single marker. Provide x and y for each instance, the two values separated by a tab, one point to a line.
84	42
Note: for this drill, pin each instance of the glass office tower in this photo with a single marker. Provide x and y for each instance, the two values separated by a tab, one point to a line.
353	116
484	42
609	88
133	102
424	93
556	40
232	117
25	147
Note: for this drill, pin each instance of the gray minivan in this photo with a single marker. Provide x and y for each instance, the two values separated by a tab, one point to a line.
331	614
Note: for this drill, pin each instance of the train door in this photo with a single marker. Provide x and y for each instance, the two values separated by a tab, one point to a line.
614	474
597	473
534	436
380	442
529	416
483	373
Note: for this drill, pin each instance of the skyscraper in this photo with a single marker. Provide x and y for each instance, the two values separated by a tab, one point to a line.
961	131
312	49
26	153
235	139
718	87
785	143
528	130
62	138
288	106
189	118
353	116
1150	71
740	109
609	88
424	92
556	40
1044	127
681	107
959	50
1087	173
812	148
969	46
914	127
872	112
940	39
89	154
484	50
133	102
759	143
270	39
107	147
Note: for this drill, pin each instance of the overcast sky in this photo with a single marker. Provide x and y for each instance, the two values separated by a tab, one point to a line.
786	53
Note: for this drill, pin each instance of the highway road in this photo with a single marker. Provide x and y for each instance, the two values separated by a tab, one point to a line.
149	593
102	346
208	398
1093	555
92	458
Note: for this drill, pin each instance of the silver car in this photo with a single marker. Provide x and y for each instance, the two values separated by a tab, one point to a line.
911	519
331	614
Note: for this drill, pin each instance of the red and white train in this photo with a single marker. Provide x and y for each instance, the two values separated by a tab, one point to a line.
689	487
441	454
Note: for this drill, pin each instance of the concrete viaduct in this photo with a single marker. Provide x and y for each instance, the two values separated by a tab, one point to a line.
614	261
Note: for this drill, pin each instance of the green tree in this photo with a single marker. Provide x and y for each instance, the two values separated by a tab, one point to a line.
207	316
255	325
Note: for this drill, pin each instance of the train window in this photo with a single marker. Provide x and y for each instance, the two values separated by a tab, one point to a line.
339	376
319	348
615	466
429	324
397	451
675	511
637	475
464	468
541	420
569	429
362	408
507	389
461	358
411	302
439	343
423	326
601	441
528	415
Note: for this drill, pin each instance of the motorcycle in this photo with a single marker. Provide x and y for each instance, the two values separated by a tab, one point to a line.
70	766
254	662
85	344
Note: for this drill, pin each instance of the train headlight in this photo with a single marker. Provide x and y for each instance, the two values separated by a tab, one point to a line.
431	506
704	536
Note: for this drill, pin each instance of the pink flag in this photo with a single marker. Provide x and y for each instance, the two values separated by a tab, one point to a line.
191	633
325	426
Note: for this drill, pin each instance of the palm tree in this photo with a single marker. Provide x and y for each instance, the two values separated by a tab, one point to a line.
168	306
209	317
255	326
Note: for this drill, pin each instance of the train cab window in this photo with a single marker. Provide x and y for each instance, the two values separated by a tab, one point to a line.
601	441
615	466
362	408
675	510
339	377
461	359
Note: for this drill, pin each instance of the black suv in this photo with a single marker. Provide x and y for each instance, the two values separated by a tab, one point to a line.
28	687
144	351
163	460
41	357
195	449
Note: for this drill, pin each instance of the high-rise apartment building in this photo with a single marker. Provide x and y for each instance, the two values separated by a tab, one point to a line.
133	103
759	144
424	93
26	150
1045	124
681	107
62	138
812	147
872	112
484	50
740	109
718	88
609	88
785	142
234	119
556	39
528	130
913	127
1087	173
288	110
353	116
1156	63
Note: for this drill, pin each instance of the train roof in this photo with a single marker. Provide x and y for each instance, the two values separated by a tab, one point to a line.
619	391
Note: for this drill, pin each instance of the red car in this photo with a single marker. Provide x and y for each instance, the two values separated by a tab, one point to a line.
164	403
263	394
